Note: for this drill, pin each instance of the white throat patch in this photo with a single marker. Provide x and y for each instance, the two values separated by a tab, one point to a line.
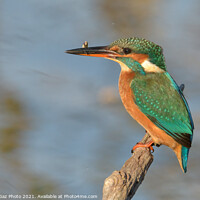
150	67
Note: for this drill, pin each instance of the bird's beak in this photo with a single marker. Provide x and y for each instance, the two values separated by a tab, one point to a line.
102	51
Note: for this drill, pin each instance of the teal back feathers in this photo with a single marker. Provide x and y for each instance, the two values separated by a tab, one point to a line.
158	98
161	100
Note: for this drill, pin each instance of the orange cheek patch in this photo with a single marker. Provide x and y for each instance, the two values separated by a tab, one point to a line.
137	57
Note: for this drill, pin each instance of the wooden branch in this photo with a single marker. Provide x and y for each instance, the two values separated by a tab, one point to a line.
122	184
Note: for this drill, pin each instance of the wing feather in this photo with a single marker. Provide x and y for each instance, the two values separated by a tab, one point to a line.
161	100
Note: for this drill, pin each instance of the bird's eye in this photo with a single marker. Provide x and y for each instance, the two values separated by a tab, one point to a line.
126	50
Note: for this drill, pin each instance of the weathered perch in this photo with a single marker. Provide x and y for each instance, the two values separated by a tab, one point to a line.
122	184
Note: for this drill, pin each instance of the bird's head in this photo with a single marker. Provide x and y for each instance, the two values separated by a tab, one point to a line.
134	54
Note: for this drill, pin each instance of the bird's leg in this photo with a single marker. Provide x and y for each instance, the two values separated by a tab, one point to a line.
148	145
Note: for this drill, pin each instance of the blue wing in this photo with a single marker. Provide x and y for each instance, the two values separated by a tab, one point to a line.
161	100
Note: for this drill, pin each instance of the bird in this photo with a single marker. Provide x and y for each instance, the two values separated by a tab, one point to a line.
149	93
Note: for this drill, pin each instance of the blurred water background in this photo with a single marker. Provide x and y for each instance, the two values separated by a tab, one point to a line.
63	128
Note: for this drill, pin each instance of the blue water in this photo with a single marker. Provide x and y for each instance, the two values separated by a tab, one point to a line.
67	136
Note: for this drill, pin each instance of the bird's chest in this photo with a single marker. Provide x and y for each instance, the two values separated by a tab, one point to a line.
125	91
128	98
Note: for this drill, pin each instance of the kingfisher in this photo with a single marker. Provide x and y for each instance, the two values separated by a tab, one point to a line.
149	93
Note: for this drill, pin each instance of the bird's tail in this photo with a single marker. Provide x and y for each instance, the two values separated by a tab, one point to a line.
182	155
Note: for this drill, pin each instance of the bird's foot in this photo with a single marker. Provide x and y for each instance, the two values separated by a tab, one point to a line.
148	145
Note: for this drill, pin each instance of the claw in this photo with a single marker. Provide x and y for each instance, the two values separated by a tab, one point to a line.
148	145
